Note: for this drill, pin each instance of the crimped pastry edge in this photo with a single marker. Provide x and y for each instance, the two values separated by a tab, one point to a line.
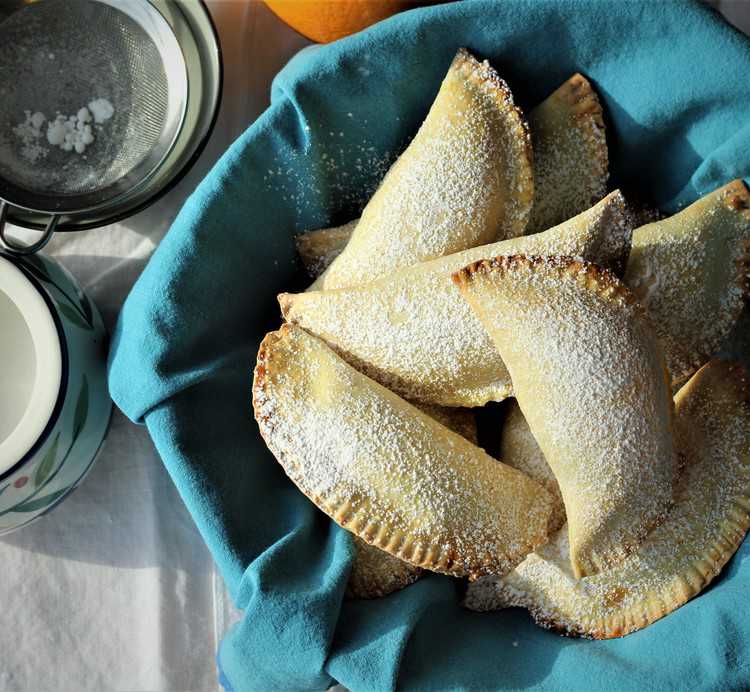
686	586
658	605
343	511
577	101
580	98
586	108
522	188
599	279
604	283
735	196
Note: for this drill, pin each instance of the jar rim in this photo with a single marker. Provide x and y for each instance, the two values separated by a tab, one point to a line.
47	393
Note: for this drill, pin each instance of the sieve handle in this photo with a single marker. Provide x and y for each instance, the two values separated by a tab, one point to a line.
15	249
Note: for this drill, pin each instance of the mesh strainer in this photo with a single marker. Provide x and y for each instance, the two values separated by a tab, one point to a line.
58	56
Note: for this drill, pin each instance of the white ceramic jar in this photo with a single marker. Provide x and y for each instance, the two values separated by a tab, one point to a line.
54	403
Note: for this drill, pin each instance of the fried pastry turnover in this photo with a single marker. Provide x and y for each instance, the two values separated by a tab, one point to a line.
412	331
570	169
376	573
690	271
679	558
589	376
388	472
464	180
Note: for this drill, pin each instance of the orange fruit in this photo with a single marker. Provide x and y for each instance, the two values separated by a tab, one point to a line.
327	20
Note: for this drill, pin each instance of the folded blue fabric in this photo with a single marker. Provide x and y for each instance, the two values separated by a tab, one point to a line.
673	78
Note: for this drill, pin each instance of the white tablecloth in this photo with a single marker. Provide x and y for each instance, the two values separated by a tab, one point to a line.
115	590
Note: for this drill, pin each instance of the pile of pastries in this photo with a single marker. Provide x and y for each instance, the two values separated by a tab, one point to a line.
492	265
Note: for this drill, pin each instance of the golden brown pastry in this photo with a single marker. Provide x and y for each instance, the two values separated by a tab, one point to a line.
376	573
681	556
414	333
589	376
570	169
570	154
464	180
519	449
386	471
690	271
459	420
317	249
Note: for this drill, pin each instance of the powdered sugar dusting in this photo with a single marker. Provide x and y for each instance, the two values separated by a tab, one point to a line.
376	573
588	374
388	472
520	450
570	154
570	164
681	556
691	273
330	160
414	333
464	180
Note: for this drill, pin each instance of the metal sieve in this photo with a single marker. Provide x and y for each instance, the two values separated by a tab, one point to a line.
57	56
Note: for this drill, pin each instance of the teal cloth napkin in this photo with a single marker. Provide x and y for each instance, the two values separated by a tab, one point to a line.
674	81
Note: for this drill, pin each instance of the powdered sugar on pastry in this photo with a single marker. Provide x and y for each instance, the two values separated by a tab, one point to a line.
519	449
680	557
570	154
414	333
376	573
570	168
386	471
589	376
464	180
690	271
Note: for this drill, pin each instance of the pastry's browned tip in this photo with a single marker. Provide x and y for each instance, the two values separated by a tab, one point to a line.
576	88
462	55
483	74
469	66
261	370
286	300
578	94
579	81
736	197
